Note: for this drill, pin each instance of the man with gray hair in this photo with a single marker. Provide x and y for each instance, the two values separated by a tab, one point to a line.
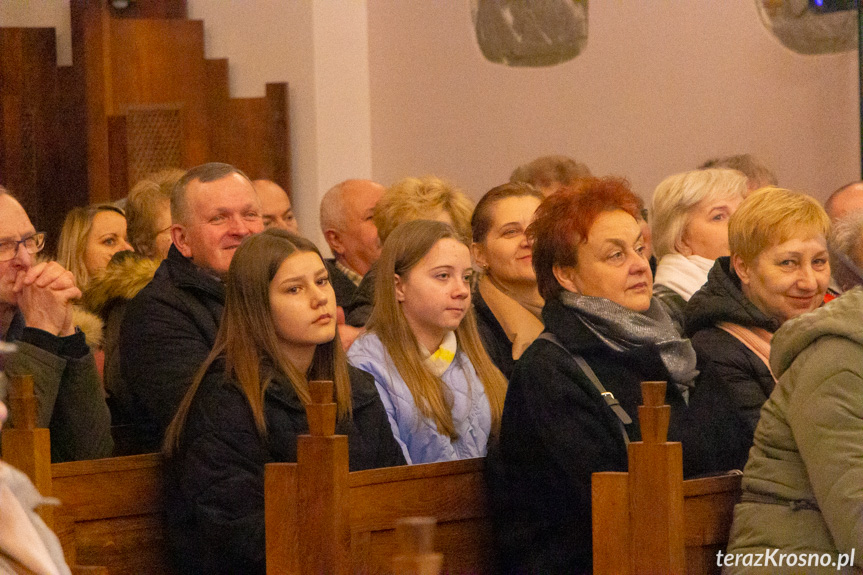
170	326
37	315
757	174
346	222
846	252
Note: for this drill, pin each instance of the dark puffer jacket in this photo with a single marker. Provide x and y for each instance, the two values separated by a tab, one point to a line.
556	431
740	378
108	295
215	481
165	336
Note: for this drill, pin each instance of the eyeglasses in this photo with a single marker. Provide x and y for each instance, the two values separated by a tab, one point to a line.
33	244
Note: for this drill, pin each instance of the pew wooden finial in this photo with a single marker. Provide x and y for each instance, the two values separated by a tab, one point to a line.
322	487
25	446
22	403
416	556
654	415
321	412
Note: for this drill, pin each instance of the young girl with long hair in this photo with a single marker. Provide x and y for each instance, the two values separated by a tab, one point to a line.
245	407
441	391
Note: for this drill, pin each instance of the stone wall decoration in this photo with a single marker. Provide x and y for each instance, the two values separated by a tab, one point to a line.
811	26
534	33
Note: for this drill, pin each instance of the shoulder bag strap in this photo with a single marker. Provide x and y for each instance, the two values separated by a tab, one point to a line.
622	417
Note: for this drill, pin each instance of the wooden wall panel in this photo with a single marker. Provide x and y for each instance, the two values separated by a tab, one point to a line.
156	62
32	145
150	56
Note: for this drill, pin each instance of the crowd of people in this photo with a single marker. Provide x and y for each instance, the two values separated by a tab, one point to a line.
193	314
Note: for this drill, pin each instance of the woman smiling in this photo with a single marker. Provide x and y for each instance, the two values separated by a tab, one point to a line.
88	239
778	269
507	302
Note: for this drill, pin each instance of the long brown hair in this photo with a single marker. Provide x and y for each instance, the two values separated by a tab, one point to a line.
403	249
247	335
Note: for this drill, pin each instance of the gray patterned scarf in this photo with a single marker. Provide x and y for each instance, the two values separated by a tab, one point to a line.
622	329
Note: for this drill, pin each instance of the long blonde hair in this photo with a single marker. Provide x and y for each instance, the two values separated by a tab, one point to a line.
403	249
247	335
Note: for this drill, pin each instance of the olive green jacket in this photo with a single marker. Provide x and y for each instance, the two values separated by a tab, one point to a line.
803	483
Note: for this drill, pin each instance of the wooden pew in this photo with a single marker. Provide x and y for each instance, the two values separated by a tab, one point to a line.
322	519
416	554
649	520
110	513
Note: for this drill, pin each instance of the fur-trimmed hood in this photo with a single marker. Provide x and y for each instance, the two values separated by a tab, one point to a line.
90	324
122	280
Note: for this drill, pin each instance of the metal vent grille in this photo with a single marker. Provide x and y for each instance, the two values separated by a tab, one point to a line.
154	140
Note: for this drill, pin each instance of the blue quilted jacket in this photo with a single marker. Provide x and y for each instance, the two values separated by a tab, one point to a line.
418	435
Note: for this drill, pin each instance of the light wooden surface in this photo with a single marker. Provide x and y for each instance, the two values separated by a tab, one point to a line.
416	555
346	522
649	520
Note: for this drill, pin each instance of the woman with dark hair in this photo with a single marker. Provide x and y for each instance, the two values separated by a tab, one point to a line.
506	300
571	406
245	407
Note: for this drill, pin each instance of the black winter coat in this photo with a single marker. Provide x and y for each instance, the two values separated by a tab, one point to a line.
739	378
342	284
556	431
359	310
166	334
215	480
494	339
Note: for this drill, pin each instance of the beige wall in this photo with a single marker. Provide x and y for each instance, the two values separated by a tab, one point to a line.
41	14
399	87
660	87
320	48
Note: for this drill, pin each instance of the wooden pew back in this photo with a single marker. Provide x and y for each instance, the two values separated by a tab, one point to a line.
649	520
340	522
110	513
416	556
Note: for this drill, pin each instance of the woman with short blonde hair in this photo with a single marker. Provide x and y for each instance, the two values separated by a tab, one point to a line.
778	269
689	220
426	198
148	211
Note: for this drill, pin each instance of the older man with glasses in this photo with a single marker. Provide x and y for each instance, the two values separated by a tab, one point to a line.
36	314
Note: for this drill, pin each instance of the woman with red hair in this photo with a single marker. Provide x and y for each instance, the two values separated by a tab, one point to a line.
604	332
